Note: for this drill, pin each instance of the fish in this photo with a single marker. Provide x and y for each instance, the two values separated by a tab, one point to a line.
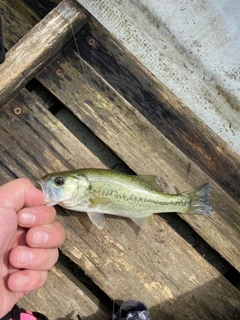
103	191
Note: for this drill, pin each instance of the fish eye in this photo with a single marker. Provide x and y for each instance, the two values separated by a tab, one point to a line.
59	181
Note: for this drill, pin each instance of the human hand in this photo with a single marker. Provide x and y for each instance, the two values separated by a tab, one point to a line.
29	237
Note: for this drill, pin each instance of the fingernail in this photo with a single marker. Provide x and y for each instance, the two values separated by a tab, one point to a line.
27	218
22	281
24	256
40	237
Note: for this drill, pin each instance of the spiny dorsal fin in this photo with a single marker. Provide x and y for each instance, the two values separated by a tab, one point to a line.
153	181
97	218
146	223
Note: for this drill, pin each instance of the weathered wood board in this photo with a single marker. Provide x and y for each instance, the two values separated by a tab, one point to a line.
186	45
159	106
49	36
61	285
109	61
160	269
144	148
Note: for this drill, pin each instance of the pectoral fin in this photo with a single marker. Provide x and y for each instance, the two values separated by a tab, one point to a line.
95	201
146	223
97	218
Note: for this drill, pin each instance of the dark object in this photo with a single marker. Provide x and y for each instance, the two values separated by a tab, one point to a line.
132	310
18	313
2	50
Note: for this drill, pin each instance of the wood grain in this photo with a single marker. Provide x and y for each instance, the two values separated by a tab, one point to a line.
138	118
142	146
160	269
38	46
160	107
53	300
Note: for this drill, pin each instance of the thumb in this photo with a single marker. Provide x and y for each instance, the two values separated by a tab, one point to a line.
8	227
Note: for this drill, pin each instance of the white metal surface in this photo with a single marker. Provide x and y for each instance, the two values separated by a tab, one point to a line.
192	46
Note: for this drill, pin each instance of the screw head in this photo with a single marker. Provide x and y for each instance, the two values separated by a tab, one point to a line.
91	41
59	72
17	110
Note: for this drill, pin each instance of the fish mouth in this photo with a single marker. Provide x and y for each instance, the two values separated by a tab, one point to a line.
50	197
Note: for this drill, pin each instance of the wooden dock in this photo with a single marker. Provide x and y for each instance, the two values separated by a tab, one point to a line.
71	96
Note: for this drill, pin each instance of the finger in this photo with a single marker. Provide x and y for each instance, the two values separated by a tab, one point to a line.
19	238
20	193
46	236
26	280
29	217
8	227
24	257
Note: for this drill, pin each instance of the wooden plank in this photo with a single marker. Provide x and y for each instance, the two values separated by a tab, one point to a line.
50	143
36	48
144	148
180	54
16	22
160	269
62	297
40	7
160	106
152	99
93	262
211	154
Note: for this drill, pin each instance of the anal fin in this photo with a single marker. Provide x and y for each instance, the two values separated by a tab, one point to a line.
146	223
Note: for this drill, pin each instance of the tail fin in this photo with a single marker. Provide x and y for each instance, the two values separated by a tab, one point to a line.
199	200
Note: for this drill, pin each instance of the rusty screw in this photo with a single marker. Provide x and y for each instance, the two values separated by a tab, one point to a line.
17	111
59	72
91	41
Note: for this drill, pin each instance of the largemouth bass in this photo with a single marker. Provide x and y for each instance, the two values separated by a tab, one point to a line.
100	191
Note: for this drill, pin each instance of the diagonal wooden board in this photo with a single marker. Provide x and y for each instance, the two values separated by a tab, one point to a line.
159	105
49	36
127	76
182	287
62	286
144	148
160	269
85	86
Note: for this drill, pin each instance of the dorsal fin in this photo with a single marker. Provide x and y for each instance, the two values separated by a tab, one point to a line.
153	181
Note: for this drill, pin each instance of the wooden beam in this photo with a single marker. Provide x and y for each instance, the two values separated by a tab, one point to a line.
138	143
63	297
160	107
38	46
160	269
